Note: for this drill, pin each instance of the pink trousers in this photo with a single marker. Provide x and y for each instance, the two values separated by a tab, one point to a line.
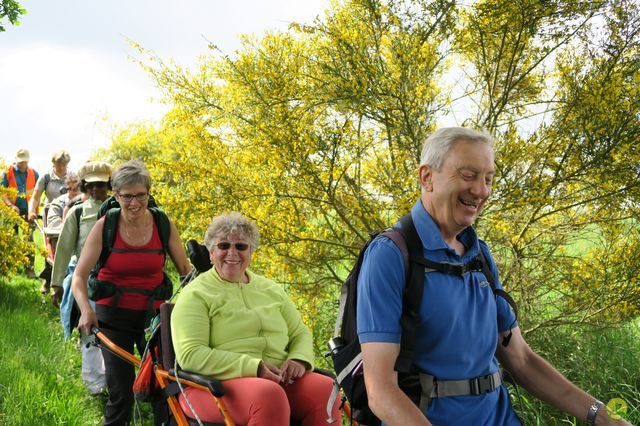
254	401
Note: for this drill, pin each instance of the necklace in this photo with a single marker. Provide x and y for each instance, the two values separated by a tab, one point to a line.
137	238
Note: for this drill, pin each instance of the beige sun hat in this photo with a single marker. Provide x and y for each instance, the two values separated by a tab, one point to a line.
22	155
95	171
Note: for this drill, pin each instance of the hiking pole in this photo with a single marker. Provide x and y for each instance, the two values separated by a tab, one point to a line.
184	280
41	229
48	241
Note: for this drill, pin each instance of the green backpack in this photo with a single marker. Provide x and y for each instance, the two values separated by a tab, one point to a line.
98	289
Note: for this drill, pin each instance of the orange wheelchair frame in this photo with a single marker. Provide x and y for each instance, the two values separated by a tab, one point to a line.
166	376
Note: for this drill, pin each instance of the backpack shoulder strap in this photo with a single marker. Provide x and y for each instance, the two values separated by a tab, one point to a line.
109	231
396	236
486	270
47	179
164	227
78	213
412	294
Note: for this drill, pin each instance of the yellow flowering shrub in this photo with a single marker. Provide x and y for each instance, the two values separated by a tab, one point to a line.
315	133
13	246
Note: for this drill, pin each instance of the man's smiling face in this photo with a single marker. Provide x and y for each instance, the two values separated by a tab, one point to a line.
455	194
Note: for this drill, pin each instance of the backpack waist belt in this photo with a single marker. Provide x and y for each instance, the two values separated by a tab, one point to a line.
434	388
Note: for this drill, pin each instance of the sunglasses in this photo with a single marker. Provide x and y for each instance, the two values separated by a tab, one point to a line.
226	246
99	184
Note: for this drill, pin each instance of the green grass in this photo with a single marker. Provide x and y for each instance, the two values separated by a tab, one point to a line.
603	362
40	380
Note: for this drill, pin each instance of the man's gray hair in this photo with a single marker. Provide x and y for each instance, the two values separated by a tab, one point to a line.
231	223
437	146
133	172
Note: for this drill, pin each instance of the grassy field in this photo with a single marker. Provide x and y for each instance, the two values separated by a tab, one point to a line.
40	376
40	381
604	362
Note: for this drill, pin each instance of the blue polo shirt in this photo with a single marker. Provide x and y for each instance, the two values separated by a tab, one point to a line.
21	180
459	321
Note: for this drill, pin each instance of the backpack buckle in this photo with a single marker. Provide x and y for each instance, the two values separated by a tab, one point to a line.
481	385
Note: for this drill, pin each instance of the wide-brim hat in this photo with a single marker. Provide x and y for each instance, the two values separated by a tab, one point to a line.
22	155
95	171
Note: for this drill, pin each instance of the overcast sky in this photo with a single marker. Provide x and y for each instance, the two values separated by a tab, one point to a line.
66	73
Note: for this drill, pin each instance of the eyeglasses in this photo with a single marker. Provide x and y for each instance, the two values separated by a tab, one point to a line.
226	246
127	198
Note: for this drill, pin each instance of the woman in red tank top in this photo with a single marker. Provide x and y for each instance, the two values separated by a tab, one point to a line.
136	261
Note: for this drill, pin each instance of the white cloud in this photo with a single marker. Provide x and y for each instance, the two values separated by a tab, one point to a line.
59	94
65	67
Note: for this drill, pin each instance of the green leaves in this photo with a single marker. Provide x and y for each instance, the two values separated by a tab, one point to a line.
12	10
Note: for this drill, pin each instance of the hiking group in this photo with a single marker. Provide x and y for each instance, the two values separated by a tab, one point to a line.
424	331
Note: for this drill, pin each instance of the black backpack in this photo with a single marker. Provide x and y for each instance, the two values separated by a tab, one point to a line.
98	289
344	348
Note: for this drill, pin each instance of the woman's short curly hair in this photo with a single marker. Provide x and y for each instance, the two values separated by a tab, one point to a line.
231	223
132	172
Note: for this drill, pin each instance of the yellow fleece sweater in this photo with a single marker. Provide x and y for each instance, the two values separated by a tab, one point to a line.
225	329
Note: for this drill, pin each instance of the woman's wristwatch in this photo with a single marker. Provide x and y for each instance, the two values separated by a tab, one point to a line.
593	412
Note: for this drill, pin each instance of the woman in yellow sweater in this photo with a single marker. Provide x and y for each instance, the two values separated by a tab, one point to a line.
242	328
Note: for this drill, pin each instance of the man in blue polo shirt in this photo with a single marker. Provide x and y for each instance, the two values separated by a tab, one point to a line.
462	325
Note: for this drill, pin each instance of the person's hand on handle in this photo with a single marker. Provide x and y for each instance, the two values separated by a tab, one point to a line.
291	371
88	320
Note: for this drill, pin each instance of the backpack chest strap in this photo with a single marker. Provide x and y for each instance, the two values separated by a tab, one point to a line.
434	388
459	269
139	250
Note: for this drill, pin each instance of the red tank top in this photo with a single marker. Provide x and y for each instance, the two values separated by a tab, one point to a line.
134	269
